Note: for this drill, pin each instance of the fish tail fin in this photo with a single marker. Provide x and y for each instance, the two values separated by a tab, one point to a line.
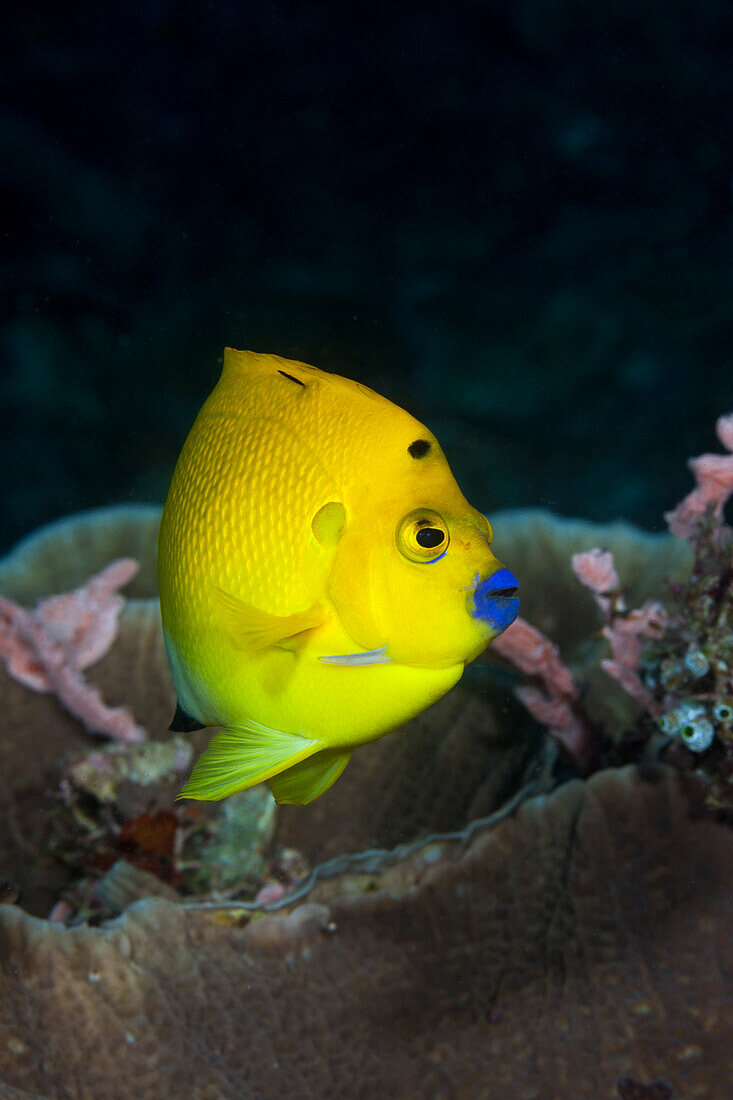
308	780
241	756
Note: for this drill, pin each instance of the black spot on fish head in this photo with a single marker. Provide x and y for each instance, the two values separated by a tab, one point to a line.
419	448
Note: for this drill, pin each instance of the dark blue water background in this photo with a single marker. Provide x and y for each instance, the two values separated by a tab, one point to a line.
512	217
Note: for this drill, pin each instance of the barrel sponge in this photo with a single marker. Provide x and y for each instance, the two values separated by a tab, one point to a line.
578	943
584	941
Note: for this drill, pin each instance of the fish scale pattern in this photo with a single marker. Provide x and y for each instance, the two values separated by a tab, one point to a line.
264	512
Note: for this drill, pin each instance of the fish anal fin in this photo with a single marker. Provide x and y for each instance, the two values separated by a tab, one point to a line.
308	780
242	757
249	628
183	722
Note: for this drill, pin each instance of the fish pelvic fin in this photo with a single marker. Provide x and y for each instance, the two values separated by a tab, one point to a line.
183	722
241	756
249	628
309	779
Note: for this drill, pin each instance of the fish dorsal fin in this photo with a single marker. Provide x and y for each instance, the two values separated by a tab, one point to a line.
249	628
367	657
307	780
242	756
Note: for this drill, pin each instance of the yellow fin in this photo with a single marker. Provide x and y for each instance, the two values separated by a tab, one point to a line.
308	780
248	628
243	756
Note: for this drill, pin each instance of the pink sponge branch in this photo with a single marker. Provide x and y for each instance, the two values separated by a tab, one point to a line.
714	477
626	634
528	648
47	648
597	571
84	622
556	701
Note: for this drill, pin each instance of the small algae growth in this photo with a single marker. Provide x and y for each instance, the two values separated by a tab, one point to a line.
232	856
100	772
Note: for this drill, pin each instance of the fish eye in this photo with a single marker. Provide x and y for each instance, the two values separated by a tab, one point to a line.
422	536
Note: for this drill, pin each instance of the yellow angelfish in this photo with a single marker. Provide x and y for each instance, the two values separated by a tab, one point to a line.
322	577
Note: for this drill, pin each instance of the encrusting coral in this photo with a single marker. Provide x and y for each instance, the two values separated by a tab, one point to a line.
676	663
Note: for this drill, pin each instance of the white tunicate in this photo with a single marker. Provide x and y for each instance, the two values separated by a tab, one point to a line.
697	663
666	723
683	715
723	711
668	671
698	734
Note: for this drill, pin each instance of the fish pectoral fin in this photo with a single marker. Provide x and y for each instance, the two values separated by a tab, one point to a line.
241	756
308	780
368	657
252	629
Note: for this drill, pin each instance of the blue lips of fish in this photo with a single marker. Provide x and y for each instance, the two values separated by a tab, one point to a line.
494	600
